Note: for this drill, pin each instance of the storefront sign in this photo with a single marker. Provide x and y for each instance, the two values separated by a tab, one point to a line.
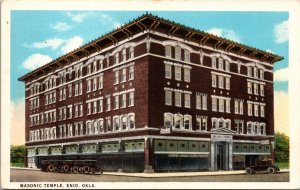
215	137
165	130
264	142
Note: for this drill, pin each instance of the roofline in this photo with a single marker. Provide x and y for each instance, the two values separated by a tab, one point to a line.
143	24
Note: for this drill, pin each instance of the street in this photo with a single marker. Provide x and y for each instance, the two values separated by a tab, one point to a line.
39	176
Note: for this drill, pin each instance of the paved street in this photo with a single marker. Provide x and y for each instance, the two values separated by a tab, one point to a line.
39	176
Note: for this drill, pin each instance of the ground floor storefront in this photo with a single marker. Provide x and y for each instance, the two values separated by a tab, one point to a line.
159	153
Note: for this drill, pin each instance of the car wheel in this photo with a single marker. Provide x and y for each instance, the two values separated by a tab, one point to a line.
249	171
271	170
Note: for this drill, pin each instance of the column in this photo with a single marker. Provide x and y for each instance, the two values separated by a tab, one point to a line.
212	155
230	155
148	168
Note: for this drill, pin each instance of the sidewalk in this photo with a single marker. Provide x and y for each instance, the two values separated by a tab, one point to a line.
170	174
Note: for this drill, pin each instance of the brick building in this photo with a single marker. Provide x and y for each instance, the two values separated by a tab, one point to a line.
153	95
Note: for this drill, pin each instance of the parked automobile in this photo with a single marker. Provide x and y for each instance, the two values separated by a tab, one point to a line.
71	166
263	165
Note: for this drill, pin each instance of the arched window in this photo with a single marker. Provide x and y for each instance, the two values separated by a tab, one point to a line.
95	125
228	123
131	121
101	125
187	122
249	128
168	120
214	123
178	121
256	129
220	123
263	129
124	122
116	123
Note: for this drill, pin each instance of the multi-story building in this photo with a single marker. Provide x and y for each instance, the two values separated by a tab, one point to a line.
153	95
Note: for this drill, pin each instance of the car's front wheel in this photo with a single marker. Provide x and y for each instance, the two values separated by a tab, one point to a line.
249	171
271	170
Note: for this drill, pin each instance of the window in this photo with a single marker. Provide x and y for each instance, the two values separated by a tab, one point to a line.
131	121
76	89
70	112
96	131
249	87
255	110
214	62
177	73
70	130
255	88
116	104
227	105
107	103
89	69
101	126
187	100
198	101
94	66
227	64
89	108
94	84
123	77
123	100
239	124
177	52
100	105
131	52
81	109
220	123
178	99
168	120
80	88
95	107
116	123
178	121
236	106
131	73
220	63
214	104
76	111
249	69
168	51
168	71
101	82
116	78
187	122
227	124
261	73
131	99
221	105
201	123
88	88
108	124
187	74
241	107
221	81
124	55
116	57
249	109
227	79
262	90
255	131
262	110
214	80
204	101
186	55
262	129
255	72
124	122
214	123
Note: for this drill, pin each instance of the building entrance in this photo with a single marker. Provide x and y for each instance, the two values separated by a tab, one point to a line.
221	157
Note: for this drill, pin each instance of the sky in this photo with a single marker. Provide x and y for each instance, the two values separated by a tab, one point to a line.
37	37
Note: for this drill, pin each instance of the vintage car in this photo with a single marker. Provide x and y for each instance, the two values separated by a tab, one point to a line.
71	166
263	166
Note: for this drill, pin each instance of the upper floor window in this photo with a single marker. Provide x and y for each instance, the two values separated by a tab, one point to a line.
177	73
116	58
227	65
201	123
124	55
239	126
168	97
186	55
187	74
123	76
249	87
168	51
116	77
177	52
261	73
168	120
214	80
100	82
168	71
178	99
201	101
187	100
131	72
187	122
220	63
214	62
131	52
131	99
249	71
262	90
